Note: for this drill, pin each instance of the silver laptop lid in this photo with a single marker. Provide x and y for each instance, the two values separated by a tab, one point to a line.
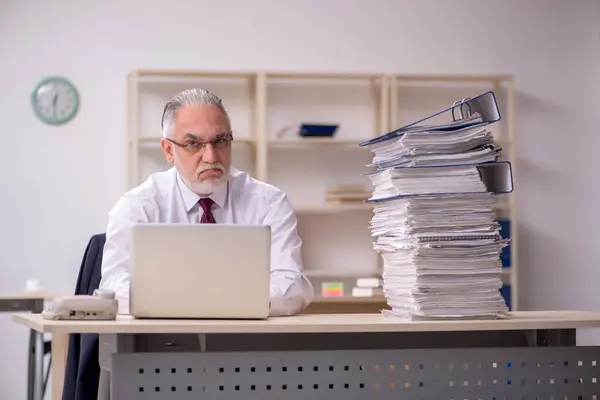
200	271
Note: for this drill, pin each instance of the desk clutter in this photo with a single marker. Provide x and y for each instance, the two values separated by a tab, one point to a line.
433	220
328	286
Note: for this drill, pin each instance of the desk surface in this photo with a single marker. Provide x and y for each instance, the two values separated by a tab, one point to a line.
319	323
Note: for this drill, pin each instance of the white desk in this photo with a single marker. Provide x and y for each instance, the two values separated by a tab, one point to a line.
339	356
32	302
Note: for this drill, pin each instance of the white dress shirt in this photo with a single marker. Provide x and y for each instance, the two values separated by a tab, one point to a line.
164	198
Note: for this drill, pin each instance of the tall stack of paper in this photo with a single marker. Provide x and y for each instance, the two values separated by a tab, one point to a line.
433	220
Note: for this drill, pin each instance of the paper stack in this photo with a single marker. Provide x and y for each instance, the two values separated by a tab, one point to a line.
433	221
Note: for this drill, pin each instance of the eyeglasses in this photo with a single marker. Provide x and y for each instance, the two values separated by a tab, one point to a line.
194	146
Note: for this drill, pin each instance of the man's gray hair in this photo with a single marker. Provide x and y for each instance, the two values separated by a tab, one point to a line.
189	98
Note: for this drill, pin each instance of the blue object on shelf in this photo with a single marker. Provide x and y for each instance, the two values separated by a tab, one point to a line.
505	233
317	130
505	292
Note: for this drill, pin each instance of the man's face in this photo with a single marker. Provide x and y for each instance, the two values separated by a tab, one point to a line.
203	166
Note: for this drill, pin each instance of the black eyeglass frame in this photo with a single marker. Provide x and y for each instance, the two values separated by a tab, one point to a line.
216	142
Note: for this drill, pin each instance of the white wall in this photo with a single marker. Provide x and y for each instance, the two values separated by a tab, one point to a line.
58	183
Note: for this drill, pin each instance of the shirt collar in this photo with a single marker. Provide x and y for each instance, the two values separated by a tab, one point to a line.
190	199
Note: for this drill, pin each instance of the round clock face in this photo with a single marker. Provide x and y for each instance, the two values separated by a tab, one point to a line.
55	100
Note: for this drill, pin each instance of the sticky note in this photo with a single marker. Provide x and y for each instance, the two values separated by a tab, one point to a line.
332	289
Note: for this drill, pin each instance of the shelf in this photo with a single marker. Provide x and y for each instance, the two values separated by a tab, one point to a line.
364	105
314	142
506	275
329	76
320	76
324	274
190	74
452	78
333	208
157	139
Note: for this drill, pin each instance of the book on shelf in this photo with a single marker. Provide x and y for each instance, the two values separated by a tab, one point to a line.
433	220
368	287
369	282
366	292
346	194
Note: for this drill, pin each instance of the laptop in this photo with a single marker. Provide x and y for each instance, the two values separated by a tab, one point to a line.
216	271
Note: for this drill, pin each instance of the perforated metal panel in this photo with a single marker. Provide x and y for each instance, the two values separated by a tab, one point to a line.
506	373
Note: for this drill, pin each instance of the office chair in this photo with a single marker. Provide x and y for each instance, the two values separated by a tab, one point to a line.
82	373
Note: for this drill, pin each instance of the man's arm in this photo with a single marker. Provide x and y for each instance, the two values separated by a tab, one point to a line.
116	259
291	291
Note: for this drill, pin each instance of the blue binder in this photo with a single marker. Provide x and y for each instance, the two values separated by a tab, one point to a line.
497	177
484	105
505	233
505	292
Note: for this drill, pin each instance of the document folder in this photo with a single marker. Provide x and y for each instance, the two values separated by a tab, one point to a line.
469	112
495	176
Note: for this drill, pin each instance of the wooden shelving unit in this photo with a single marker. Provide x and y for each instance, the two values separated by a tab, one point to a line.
263	105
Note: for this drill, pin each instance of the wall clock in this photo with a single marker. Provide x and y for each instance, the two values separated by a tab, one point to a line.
55	100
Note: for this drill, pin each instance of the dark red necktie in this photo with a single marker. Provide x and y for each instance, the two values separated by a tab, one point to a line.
207	217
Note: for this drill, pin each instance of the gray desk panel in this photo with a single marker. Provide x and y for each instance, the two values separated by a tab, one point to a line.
469	373
15	305
178	343
429	365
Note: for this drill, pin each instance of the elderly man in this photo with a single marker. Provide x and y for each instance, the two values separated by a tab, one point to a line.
203	187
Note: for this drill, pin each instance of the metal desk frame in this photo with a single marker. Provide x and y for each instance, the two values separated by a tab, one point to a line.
384	365
36	381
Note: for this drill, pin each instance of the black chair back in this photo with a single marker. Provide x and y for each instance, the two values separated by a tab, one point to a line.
83	370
